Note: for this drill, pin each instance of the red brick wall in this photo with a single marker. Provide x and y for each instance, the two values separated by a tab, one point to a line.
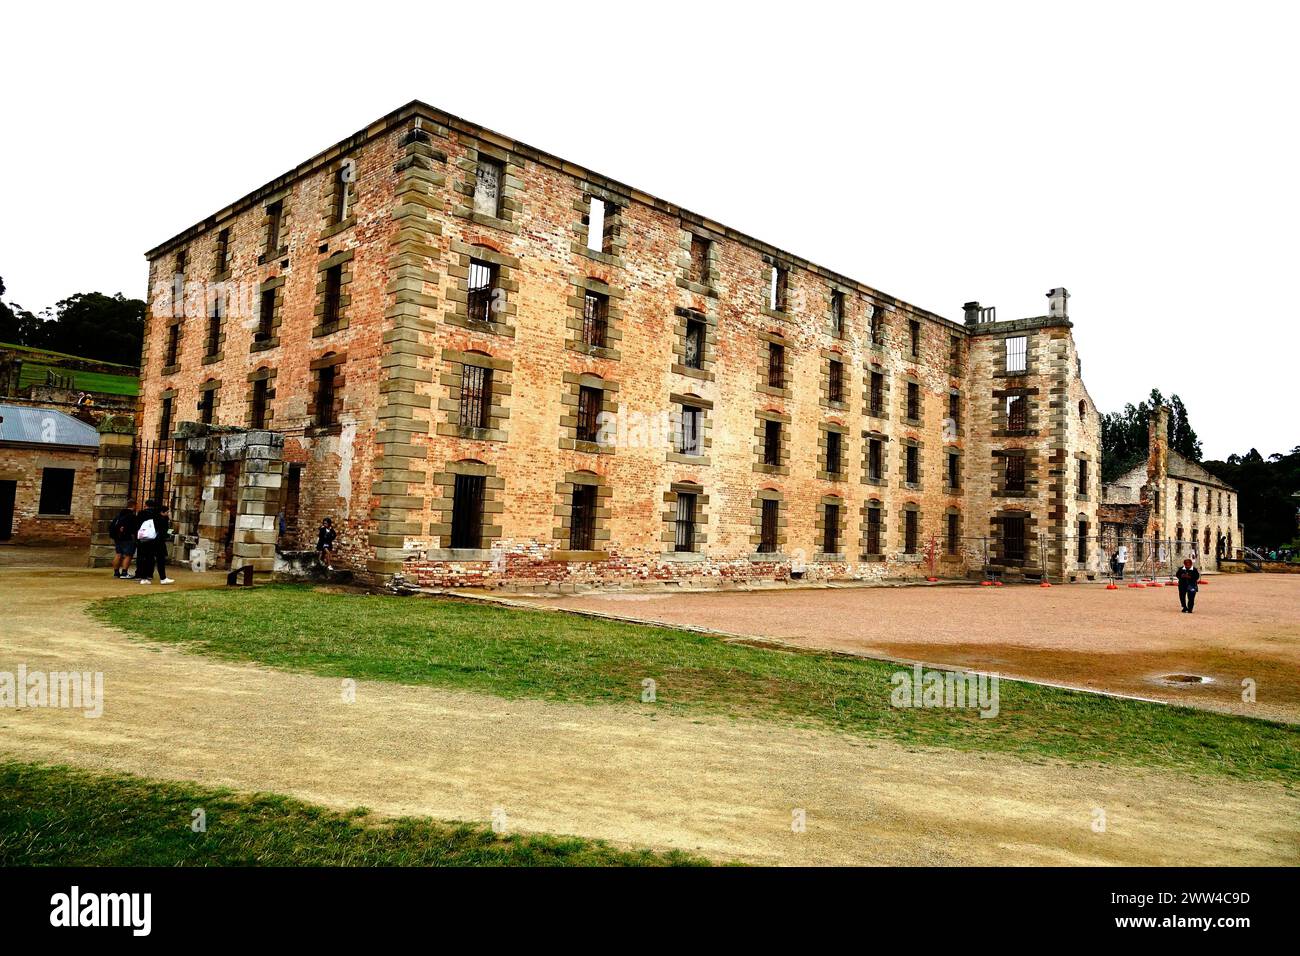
24	465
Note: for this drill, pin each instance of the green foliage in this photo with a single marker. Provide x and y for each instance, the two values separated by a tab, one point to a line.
55	816
1124	434
88	325
1265	490
553	656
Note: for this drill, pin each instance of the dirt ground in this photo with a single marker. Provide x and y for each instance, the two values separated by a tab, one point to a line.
1081	635
726	789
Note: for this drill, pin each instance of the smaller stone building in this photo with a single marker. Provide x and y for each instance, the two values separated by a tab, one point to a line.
47	476
1169	508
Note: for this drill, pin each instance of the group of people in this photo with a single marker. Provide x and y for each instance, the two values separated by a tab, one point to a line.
141	536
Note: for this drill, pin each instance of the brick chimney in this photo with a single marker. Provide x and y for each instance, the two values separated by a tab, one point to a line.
1056	307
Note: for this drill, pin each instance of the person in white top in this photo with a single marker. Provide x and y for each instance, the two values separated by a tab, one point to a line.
1121	559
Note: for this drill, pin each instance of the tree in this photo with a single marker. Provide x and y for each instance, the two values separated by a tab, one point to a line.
88	324
1124	434
1265	489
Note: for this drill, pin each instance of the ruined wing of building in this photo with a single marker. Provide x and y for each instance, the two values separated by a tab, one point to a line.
1170	507
490	365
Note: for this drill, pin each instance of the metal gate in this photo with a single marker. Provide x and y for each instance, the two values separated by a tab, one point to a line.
151	473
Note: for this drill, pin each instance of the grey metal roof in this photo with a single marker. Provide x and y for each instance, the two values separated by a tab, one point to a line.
44	426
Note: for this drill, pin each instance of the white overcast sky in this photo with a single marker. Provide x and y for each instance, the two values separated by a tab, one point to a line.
1143	155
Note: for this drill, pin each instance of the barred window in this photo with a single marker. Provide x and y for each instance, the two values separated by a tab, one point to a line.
1013	539
595	320
835	381
325	396
1083	477
954	471
775	365
582	527
482	291
475	396
913	465
695	340
213	344
913	401
333	295
467	511
877	394
875	458
1082	551
909	532
771	442
831	529
768	526
1015	473
834	444
837	313
265	316
685	524
914	334
954	408
1017	347
589	401
873	529
951	543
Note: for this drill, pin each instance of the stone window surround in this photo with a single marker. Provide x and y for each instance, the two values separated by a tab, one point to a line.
263	373
944	554
879	322
846	385
457	292
706	430
999	420
178	323
818	553
903	445
616	205
868	437
705	371
218	273
343	259
998	485
339	361
443	506
960	487
282	249
275	283
569	398
582	284
1082	495
910	507
771	262
768	339
452	378
564	514
756	523
684	279
1000	358
846	296
329	195
511	204
212	385
669	535
959	430
865	513
163	396
824	429
879	369
995	535
223	323
762	416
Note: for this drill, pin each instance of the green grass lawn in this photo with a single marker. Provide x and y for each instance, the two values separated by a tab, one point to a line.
54	816
100	382
554	656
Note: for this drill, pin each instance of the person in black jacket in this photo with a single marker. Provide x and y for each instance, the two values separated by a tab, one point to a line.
153	551
1188	577
122	531
325	542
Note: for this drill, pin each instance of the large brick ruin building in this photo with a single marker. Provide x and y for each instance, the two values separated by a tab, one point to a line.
490	365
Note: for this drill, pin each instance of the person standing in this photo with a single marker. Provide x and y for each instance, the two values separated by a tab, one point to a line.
325	542
152	537
123	531
1121	559
1188	577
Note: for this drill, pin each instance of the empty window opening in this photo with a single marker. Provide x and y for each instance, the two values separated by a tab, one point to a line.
482	291
695	341
598	233
1017	413
56	491
467	511
771	442
914	334
487	187
700	259
261	390
913	465
950	545
173	343
837	313
274	223
779	281
265	317
688	437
